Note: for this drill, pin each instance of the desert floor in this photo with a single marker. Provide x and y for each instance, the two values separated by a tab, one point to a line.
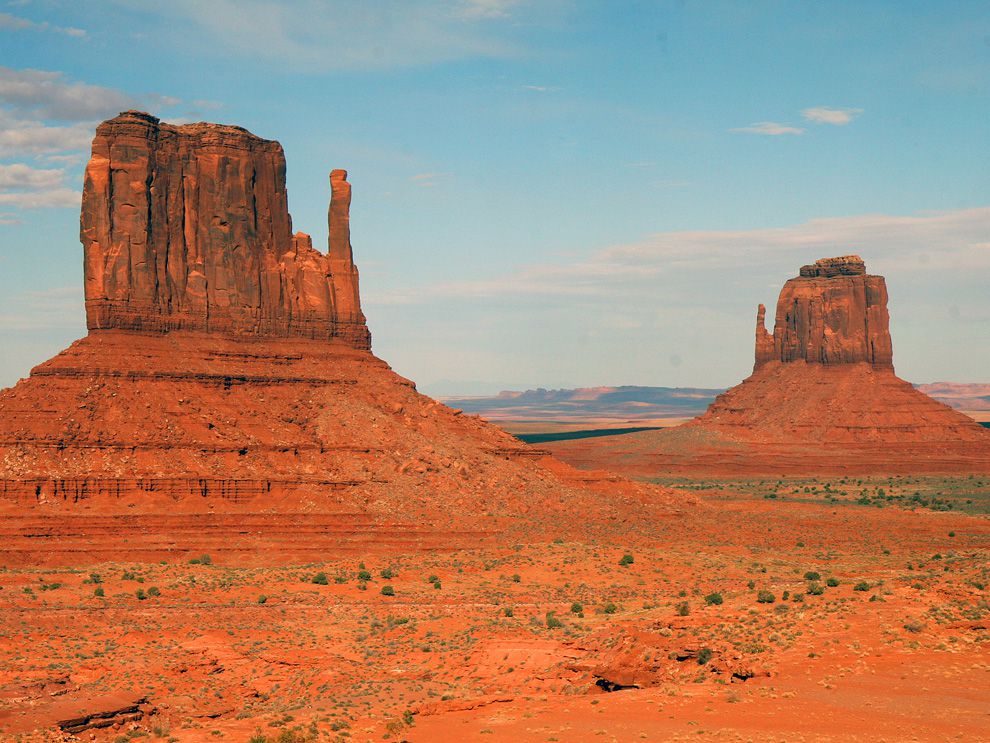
847	609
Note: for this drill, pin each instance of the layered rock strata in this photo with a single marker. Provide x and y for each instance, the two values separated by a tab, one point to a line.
188	228
226	400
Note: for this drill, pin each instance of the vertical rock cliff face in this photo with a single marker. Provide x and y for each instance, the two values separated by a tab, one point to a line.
832	313
188	228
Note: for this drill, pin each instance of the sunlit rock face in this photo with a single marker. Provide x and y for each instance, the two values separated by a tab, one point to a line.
833	312
187	228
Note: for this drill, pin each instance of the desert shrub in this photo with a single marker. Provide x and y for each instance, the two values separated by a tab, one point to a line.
609	608
683	609
577	607
785	595
364	575
816	589
99	591
432	579
262	599
516	578
627	559
388	591
140	594
914	627
713	599
832	582
704	655
507	611
763	596
387	573
812	575
552	621
201	560
436	585
153	591
862	586
320	579
751	584
95	578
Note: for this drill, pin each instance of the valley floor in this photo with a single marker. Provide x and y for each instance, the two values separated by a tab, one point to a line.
806	616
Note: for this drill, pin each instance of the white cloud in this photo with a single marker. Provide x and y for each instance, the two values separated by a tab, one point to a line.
835	116
10	22
48	95
769	128
54	198
35	188
27	138
19	176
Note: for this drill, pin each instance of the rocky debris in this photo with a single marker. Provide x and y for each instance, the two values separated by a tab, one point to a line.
187	227
832	313
101	712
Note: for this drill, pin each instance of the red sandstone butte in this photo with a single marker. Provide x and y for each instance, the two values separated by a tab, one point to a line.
226	401
188	228
832	313
823	399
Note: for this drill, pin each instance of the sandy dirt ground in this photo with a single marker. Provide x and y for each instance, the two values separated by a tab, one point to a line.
810	615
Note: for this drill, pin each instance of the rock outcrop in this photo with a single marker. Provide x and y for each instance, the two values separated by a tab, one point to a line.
188	228
832	313
225	400
822	399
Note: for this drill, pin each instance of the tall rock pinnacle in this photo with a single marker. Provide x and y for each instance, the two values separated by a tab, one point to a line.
832	313
345	273
187	228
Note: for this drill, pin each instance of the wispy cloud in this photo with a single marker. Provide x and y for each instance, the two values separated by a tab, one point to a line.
35	188
321	35
10	22
769	128
952	240
541	88
486	8
834	116
429	180
49	95
31	138
20	176
53	198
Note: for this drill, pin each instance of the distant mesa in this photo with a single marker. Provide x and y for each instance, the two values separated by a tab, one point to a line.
226	401
823	399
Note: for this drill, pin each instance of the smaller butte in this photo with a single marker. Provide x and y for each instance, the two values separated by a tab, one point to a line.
823	399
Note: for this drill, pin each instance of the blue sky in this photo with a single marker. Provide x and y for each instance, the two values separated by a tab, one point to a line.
546	192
